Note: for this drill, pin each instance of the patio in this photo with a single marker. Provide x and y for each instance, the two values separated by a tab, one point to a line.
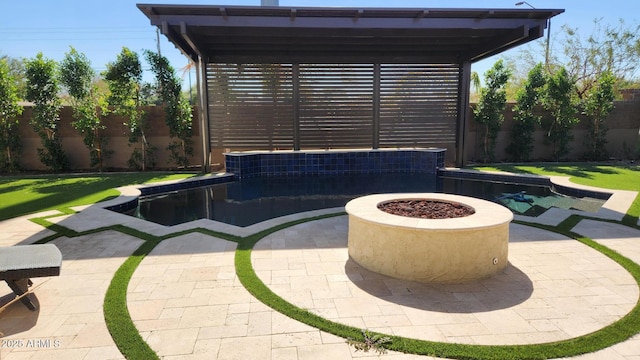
186	299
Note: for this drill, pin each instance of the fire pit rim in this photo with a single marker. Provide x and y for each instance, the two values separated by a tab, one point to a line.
486	213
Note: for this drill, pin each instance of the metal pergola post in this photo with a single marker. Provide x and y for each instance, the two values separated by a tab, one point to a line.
376	106
201	82
296	106
464	82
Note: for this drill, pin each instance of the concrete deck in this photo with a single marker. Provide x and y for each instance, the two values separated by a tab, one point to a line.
187	302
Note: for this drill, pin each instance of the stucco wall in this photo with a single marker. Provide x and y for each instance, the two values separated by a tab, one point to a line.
623	134
623	124
157	134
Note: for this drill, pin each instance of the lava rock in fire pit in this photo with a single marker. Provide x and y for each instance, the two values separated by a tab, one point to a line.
426	209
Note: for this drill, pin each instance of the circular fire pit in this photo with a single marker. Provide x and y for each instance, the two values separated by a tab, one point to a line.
440	250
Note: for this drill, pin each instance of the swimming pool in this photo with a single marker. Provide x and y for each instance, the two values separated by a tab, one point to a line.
250	201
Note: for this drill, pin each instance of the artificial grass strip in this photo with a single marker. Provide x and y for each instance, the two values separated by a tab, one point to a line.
619	331
116	313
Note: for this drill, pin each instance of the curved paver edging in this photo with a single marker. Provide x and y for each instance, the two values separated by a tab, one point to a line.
621	330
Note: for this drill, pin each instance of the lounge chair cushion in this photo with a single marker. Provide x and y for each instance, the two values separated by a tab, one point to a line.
20	263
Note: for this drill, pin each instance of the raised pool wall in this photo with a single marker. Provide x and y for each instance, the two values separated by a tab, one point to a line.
333	162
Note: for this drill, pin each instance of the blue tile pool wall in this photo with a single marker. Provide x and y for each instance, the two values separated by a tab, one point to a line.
245	165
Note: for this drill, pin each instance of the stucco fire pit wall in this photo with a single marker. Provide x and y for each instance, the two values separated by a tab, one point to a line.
429	250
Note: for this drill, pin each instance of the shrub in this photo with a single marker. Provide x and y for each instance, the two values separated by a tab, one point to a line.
597	106
561	101
490	108
9	111
42	90
524	120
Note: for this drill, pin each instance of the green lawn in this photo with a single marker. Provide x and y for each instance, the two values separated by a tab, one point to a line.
603	176
29	194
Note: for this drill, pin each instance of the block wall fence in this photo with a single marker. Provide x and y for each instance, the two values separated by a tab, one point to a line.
116	134
624	132
623	135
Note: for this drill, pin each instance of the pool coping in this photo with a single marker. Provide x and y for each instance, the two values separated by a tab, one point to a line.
614	208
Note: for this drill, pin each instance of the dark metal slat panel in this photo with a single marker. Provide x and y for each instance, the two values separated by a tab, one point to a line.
418	104
336	105
250	106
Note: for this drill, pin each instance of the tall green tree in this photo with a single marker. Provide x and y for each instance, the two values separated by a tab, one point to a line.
524	118
560	99
77	76
124	79
178	112
490	109
9	112
16	71
597	106
42	90
613	49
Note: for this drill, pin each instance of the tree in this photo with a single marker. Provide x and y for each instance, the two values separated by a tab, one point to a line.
42	90
476	85
124	78
597	106
16	72
524	119
490	108
608	49
9	112
177	109
560	100
77	76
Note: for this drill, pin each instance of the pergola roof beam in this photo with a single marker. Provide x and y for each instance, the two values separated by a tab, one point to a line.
188	38
344	23
459	34
506	41
179	41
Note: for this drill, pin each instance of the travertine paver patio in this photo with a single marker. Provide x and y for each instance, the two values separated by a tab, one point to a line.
187	302
554	288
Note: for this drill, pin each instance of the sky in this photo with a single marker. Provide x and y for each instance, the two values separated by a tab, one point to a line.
100	28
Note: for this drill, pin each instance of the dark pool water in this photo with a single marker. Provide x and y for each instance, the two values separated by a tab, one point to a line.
250	201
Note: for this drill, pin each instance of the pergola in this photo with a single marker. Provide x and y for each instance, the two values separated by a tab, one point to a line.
302	78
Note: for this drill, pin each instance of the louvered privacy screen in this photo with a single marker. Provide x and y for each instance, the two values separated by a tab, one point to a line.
418	105
336	106
332	106
250	106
